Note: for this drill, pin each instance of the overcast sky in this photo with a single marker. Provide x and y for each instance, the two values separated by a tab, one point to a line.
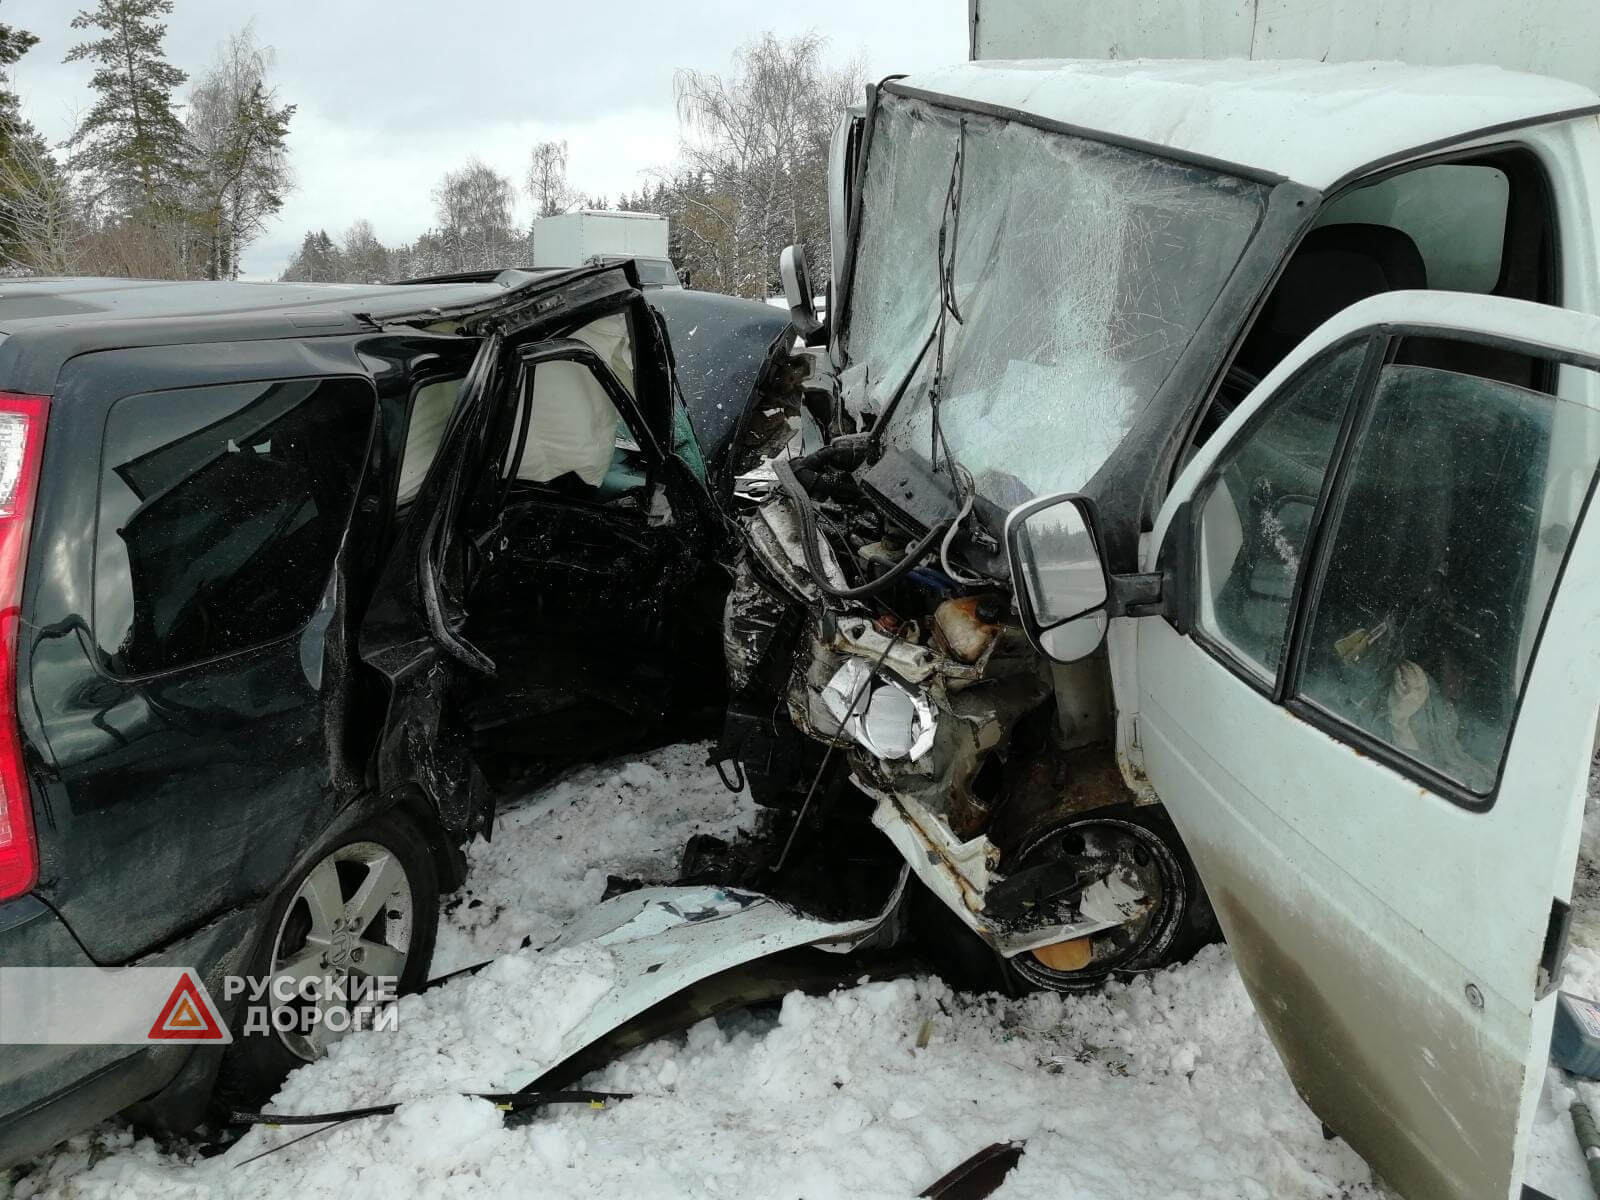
392	93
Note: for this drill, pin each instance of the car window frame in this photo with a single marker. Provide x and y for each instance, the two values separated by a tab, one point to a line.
1532	184
1284	691
1271	686
516	404
102	660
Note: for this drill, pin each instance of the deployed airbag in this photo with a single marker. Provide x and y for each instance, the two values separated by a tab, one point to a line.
573	427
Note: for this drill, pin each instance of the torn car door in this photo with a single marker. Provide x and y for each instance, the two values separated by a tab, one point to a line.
1369	707
412	635
597	532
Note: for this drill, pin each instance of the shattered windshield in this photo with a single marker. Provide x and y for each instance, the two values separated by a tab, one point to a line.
1080	271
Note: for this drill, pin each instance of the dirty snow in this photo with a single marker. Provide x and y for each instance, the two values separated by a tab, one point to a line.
549	858
1166	1086
1557	1166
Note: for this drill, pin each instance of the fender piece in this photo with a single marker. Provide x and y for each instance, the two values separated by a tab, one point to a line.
665	939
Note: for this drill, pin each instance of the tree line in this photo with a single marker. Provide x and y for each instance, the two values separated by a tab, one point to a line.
171	177
751	177
150	185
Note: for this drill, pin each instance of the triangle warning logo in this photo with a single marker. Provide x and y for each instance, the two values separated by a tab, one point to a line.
187	1016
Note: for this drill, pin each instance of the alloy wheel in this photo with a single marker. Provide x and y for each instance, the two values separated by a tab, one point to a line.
350	920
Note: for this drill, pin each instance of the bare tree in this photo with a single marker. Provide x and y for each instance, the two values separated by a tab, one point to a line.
547	179
755	157
364	258
473	208
241	172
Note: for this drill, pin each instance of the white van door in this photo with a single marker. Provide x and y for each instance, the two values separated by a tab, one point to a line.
1370	707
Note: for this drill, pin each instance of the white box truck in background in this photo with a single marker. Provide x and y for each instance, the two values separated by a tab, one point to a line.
1558	38
575	238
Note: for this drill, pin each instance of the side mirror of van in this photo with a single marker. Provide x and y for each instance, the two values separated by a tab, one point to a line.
797	291
1059	575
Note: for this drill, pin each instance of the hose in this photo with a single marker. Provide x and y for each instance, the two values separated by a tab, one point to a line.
808	542
513	1104
970	486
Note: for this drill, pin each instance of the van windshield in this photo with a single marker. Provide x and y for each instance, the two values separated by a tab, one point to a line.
1080	270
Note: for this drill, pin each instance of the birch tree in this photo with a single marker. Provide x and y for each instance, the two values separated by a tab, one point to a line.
755	159
547	179
365	258
473	208
241	171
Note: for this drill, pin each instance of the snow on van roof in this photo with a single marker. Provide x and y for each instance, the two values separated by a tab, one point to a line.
1311	122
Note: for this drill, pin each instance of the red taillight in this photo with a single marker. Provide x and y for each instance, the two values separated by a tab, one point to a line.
22	420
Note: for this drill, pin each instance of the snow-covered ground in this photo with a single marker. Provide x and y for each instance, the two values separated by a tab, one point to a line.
1166	1086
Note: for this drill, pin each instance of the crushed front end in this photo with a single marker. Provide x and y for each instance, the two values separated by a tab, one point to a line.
990	769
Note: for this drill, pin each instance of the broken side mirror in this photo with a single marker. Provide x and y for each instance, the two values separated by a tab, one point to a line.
1059	575
797	291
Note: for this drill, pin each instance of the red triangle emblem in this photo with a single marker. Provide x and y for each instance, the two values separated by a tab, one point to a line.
187	1016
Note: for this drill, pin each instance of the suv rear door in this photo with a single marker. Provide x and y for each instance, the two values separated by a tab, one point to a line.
187	593
1371	709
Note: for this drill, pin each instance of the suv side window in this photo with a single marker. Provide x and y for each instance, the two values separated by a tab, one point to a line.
221	510
1455	512
1255	512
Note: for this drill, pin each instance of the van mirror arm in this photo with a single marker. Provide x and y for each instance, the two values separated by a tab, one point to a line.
1140	595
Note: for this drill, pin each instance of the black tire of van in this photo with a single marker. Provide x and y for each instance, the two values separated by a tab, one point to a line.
1182	924
256	1064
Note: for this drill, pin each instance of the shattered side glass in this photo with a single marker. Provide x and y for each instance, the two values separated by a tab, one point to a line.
1081	271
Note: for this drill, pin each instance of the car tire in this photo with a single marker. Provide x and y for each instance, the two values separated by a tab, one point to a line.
388	856
1181	924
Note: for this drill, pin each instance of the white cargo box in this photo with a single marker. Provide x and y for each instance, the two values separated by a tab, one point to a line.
572	239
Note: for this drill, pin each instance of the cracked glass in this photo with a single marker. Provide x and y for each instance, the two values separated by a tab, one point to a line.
1080	271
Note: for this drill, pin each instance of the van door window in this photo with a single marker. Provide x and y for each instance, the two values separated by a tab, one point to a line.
1485	224
1255	513
221	511
1453	213
1445	546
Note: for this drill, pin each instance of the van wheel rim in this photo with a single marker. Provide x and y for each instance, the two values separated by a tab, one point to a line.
1131	947
341	946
